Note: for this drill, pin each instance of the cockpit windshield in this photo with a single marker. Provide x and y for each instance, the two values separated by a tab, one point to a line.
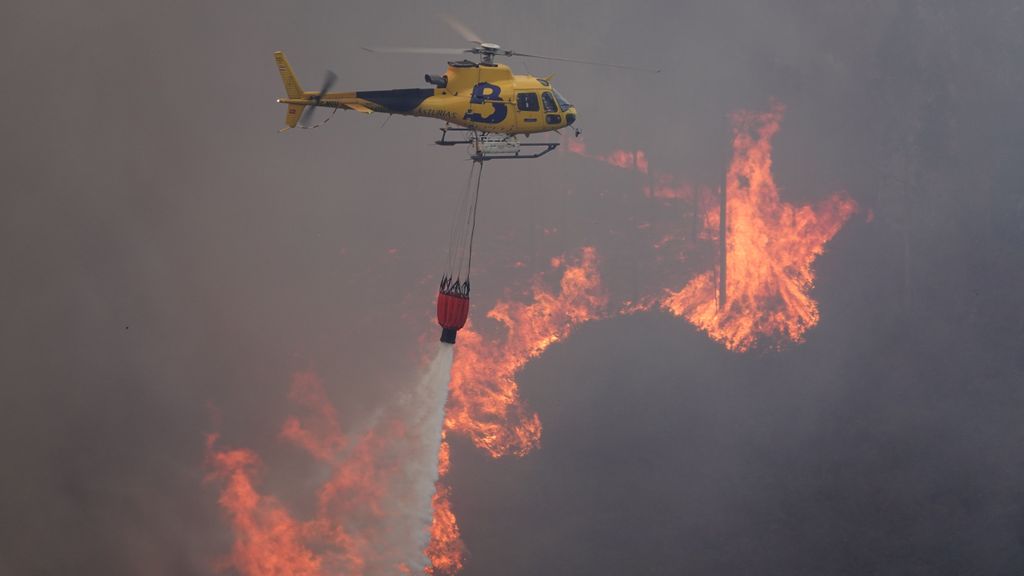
562	101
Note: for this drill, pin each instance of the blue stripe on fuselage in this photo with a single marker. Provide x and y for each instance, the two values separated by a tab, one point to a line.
401	100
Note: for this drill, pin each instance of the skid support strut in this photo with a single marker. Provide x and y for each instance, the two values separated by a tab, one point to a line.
487	146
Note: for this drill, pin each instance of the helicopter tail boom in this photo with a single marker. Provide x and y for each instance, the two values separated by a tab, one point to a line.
302	102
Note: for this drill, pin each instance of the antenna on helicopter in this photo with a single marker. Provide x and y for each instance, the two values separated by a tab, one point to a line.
487	51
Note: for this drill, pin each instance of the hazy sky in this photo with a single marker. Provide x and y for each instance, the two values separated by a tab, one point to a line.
169	260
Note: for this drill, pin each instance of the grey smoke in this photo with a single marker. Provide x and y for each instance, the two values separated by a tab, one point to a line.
164	249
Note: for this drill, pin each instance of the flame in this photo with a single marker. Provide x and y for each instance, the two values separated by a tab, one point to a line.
484	397
320	436
640	160
663	185
625	159
446	551
268	541
483	401
770	246
348	533
342	537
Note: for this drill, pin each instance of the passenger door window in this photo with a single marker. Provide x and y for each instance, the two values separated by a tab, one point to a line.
529	118
527	102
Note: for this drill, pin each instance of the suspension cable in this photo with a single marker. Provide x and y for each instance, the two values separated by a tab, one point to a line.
456	238
472	228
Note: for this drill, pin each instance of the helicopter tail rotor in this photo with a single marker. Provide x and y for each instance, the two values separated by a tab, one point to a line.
300	114
329	79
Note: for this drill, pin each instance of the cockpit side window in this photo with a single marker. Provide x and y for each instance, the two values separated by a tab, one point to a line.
549	102
527	101
562	101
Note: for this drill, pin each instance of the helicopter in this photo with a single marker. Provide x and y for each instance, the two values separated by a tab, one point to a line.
482	102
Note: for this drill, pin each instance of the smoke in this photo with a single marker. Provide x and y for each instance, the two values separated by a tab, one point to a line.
374	510
163	251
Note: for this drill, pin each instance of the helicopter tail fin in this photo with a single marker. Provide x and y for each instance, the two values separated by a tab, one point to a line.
292	87
291	84
293	115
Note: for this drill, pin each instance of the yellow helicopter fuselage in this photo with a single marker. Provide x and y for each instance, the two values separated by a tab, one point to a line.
478	96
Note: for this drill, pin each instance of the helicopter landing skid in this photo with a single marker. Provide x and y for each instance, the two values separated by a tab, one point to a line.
485	146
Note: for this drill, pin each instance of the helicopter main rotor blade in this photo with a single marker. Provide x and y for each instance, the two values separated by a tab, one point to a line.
514	53
413	50
462	29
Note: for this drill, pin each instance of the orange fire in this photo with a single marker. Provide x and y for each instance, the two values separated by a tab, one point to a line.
662	185
665	187
446	550
484	397
770	249
484	401
625	159
770	246
267	539
343	536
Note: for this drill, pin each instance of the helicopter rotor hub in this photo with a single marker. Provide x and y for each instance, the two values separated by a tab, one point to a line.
487	52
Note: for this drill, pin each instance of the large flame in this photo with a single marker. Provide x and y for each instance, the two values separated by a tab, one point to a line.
484	401
770	246
446	551
268	541
373	510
